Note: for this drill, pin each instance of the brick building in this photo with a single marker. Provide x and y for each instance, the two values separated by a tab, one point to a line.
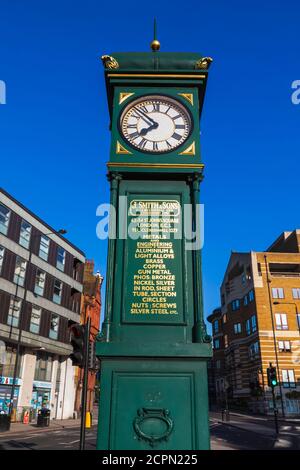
90	307
41	275
258	323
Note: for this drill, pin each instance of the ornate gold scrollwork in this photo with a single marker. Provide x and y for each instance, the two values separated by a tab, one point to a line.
109	62
203	63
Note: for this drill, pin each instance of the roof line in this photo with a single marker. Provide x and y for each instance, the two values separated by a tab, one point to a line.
40	220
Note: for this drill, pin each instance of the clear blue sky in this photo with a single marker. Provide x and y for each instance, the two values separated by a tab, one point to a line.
54	136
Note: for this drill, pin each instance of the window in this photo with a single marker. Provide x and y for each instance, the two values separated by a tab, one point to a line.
237	328
284	346
57	291
39	285
76	265
7	369
253	324
25	233
277	293
53	333
43	367
281	321
14	312
217	344
259	269
244	278
223	299
235	304
216	326
226	341
253	350
44	247
35	319
224	318
251	296
20	270
61	258
2	251
298	319
288	378
246	300
75	304
4	219
248	328
296	293
218	364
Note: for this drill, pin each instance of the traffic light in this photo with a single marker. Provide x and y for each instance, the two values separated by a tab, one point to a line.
77	341
272	376
92	356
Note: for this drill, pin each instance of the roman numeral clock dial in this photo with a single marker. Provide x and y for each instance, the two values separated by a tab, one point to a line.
155	124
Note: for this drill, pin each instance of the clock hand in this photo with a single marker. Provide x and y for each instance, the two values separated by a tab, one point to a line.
145	130
144	116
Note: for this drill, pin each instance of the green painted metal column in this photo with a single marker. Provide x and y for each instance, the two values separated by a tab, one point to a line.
153	347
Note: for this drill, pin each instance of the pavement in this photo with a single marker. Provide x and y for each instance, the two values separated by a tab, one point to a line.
55	424
259	431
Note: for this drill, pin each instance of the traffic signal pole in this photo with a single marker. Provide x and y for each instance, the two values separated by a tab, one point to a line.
275	411
272	382
85	384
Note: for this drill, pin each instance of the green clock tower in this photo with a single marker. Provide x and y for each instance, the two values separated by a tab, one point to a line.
153	347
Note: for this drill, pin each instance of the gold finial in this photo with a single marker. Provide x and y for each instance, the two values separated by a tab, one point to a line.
155	44
109	62
203	63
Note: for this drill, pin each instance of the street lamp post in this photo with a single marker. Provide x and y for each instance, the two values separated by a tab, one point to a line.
11	404
273	331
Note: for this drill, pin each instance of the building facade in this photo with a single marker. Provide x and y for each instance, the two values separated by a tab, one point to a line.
258	323
90	308
41	283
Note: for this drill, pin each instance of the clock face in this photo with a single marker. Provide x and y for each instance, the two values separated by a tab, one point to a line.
155	124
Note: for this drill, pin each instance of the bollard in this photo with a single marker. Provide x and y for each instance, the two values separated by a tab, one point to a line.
88	420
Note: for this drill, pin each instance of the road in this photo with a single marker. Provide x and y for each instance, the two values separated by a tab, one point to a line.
241	433
63	439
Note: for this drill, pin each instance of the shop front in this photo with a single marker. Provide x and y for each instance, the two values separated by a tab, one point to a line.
5	393
41	394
